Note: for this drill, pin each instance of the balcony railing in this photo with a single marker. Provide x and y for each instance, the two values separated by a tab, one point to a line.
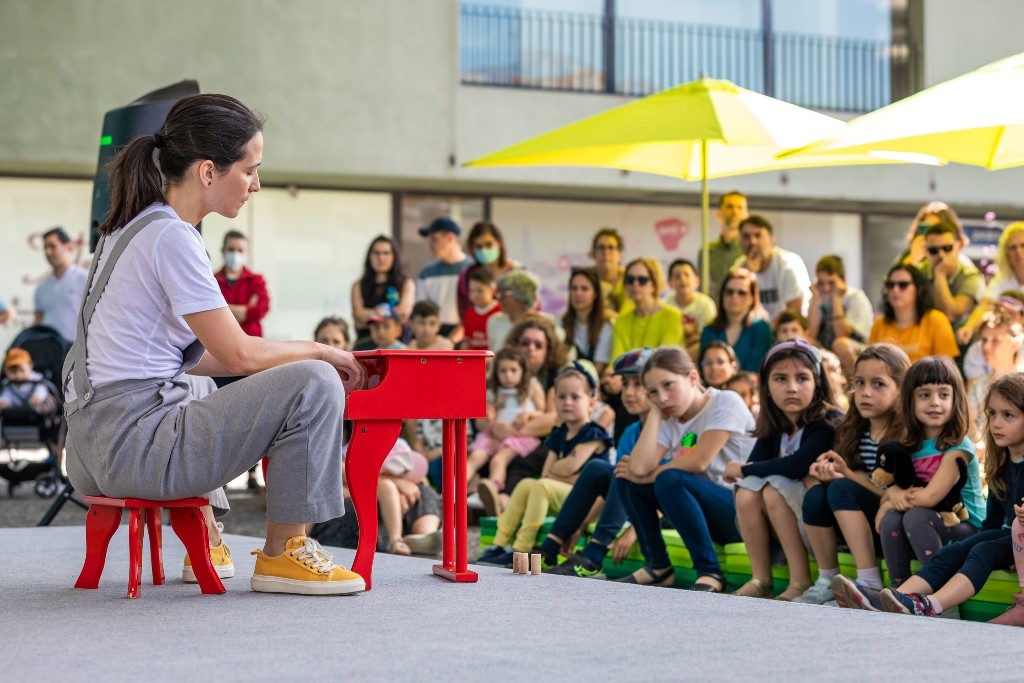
526	48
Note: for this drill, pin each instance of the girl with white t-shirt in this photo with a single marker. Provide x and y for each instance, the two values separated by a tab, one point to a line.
153	312
706	429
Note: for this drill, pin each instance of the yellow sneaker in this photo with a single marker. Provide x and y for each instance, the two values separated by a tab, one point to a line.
304	568
221	558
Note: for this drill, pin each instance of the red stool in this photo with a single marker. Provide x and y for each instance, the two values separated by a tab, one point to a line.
187	521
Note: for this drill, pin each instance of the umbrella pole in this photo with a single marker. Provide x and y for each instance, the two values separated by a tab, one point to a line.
705	201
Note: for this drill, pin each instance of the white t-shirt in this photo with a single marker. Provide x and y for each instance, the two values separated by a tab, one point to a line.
1000	283
137	330
603	350
783	280
60	300
725	410
701	311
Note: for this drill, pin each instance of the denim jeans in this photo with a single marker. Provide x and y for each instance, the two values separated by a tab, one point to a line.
595	481
700	510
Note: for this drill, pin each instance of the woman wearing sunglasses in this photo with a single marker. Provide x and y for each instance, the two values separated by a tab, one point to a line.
908	322
651	322
740	322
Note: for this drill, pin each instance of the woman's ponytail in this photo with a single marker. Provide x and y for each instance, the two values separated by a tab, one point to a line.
134	183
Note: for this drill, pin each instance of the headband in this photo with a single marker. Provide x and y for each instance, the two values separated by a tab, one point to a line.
576	366
798	344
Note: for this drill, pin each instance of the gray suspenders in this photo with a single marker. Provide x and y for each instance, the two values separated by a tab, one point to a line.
74	365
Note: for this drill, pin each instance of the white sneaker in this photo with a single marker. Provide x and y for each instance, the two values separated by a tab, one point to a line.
819	593
473	501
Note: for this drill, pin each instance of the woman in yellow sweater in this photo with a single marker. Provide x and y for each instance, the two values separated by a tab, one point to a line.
907	322
650	323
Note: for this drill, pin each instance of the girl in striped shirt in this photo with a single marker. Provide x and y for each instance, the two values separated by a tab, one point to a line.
846	496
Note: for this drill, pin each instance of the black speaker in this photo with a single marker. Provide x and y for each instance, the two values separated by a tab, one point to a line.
144	116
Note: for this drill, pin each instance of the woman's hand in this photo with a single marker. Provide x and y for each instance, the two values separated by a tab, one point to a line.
352	372
623	544
733	473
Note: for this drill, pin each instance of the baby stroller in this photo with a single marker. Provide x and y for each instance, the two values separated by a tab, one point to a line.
21	426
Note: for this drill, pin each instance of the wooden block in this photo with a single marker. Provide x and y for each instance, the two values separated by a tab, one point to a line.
535	563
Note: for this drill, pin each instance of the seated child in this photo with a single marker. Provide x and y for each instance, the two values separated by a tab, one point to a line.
572	444
745	384
511	390
484	305
333	332
425	322
23	387
385	329
790	325
840	387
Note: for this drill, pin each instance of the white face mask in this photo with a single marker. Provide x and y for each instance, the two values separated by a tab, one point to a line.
234	260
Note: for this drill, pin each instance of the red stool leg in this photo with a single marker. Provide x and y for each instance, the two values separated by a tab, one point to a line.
372	440
190	526
101	523
135	531
154	524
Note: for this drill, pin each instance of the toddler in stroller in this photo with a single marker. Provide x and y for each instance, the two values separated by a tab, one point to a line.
29	415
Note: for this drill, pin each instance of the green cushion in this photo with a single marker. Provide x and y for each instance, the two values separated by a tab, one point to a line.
976	610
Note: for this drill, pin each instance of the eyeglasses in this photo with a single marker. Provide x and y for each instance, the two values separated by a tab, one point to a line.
736	292
945	248
532	343
636	280
897	284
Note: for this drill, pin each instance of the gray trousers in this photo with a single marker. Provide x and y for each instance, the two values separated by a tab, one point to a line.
155	439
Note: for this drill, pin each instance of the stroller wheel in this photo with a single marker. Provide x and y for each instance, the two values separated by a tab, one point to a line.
47	485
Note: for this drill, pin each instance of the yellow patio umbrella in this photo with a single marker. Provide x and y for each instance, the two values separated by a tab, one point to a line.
976	119
695	131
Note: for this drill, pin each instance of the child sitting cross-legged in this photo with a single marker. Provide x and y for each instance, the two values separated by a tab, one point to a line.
572	444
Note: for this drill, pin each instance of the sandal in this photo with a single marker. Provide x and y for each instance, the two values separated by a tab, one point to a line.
793	590
763	590
425	544
709	587
398	546
651	577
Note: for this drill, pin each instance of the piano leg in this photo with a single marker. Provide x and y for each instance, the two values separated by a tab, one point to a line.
453	493
372	440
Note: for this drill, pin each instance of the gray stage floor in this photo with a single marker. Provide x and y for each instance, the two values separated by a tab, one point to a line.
415	627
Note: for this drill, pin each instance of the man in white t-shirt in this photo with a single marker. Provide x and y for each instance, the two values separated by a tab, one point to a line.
839	317
439	280
59	296
781	275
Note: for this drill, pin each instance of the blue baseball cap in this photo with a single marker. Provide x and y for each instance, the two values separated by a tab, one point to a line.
442	224
382	312
632	362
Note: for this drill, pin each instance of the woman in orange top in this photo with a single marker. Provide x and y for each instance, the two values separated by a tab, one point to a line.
907	322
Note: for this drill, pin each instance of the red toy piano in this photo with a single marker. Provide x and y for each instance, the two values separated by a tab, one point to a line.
411	384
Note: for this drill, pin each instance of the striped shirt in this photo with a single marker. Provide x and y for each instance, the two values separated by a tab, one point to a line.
868	449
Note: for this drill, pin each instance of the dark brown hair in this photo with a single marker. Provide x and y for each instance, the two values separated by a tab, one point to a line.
373	291
831	264
935	370
556	349
338	322
515	355
197	128
671	359
997	458
853	426
772	422
481	229
597	318
721	320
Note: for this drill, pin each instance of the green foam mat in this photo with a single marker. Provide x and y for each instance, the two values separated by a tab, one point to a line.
976	610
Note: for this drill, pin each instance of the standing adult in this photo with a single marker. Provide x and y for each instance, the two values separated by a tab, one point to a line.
246	295
956	287
650	322
908	322
726	250
606	249
486	246
154	311
839	317
781	275
59	296
385	280
1010	277
439	279
740	322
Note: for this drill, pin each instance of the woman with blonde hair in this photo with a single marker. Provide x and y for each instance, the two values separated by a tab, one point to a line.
1010	261
651	322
